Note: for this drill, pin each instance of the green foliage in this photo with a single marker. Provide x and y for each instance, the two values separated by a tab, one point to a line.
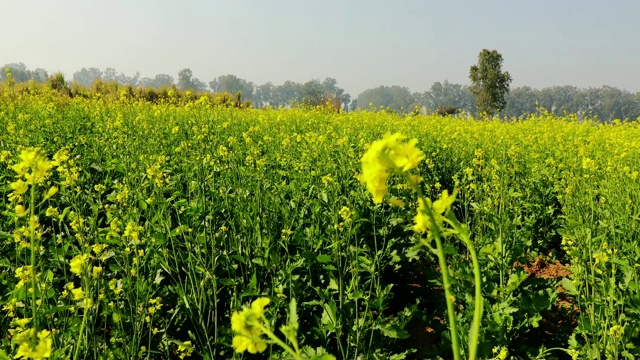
489	84
58	83
193	209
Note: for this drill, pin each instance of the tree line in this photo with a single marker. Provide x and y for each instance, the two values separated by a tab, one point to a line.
606	102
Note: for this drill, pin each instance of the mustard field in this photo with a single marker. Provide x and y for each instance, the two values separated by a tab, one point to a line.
140	230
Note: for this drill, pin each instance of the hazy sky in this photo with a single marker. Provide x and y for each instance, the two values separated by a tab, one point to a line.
362	44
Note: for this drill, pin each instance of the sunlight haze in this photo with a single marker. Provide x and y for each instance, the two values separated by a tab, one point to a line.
363	44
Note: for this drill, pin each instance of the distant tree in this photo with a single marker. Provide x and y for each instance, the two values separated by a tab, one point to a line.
354	105
419	98
521	101
163	80
265	95
198	84
111	75
288	93
313	93
40	75
19	72
395	97
447	110
159	81
86	76
346	100
447	94
489	84
233	84
334	93
186	81
326	92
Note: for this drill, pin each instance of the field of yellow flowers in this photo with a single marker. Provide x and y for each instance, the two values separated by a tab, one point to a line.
139	230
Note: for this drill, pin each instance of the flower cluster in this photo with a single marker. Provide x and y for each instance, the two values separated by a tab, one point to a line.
248	326
390	154
32	345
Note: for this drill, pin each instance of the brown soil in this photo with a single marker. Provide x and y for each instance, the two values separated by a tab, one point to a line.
562	317
544	269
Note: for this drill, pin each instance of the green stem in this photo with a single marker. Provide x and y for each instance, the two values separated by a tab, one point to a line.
474	332
450	299
34	283
435	231
75	352
274	338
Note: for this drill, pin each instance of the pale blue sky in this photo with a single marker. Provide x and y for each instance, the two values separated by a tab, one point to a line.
362	44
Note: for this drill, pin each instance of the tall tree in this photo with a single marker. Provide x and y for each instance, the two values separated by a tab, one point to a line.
186	81
489	84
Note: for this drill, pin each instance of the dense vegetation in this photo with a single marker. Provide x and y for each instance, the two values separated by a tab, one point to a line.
602	104
149	223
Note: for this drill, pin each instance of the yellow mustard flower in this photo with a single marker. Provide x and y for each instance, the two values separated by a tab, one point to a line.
78	294
247	324
97	270
34	166
616	331
51	192
28	350
51	211
421	220
78	263
444	202
385	156
500	353
19	187
21	211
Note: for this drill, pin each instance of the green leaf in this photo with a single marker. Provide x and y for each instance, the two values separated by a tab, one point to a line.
159	277
293	312
569	286
142	204
316	354
329	315
226	281
333	285
290	330
535	320
181	202
324	197
393	331
323	258
254	281
4	356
